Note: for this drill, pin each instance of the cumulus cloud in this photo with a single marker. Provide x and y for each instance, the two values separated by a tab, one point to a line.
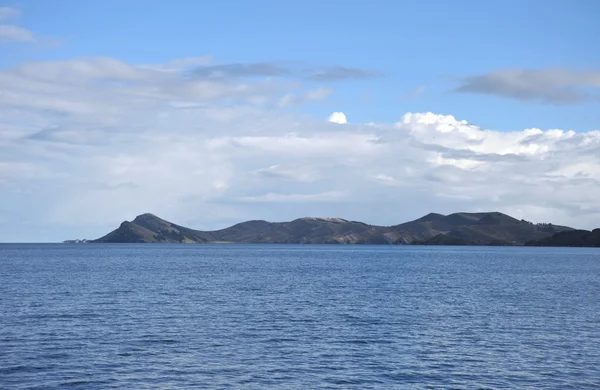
555	86
337	117
78	154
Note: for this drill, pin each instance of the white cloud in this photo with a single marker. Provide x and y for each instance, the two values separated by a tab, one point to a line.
78	154
337	117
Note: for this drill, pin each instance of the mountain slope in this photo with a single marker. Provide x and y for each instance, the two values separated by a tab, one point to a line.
490	228
579	238
148	228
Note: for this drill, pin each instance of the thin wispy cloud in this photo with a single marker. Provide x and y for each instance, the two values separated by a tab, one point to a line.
340	73
11	32
553	86
330	196
261	69
290	70
9	13
295	173
417	92
290	99
180	64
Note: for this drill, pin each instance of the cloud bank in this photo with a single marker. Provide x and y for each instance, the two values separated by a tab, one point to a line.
87	143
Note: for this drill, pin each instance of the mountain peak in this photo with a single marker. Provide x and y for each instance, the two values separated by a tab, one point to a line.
431	217
151	222
146	216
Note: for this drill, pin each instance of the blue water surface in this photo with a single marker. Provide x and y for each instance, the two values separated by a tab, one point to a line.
298	317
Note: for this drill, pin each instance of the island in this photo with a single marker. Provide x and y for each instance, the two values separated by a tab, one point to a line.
484	228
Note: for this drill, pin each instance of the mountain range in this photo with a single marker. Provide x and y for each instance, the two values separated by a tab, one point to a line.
486	228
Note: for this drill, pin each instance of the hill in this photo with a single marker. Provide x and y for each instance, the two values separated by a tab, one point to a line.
148	228
490	228
579	238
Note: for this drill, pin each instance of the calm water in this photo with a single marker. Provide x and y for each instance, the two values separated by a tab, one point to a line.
222	317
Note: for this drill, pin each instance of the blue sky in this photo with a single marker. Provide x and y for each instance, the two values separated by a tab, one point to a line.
92	89
414	44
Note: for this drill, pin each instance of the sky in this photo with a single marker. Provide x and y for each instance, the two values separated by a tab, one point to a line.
212	113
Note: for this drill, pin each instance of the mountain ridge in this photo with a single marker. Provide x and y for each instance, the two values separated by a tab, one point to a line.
463	228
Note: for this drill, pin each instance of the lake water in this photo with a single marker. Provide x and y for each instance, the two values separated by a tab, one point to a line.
298	317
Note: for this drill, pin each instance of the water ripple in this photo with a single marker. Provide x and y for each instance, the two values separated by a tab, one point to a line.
297	317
